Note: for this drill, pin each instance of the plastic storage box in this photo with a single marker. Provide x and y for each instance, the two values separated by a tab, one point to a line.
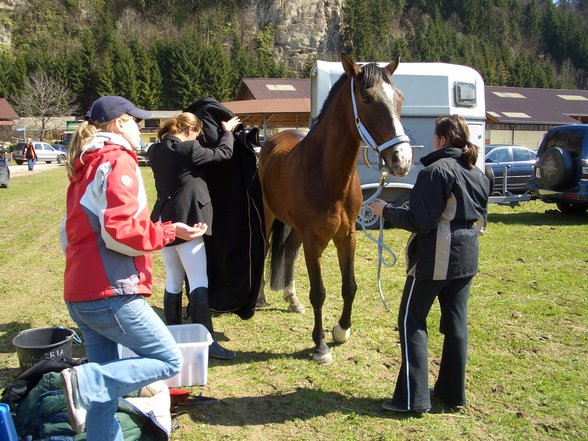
7	430
193	340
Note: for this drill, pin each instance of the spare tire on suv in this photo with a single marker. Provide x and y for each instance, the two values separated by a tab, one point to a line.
556	168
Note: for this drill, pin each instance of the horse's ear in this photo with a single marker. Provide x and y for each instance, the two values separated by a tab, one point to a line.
393	65
352	69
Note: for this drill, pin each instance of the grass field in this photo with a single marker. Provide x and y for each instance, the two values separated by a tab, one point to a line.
527	374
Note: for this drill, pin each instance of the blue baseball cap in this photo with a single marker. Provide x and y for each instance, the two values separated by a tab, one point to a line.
108	108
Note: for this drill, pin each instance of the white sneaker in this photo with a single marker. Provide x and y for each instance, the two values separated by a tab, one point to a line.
76	414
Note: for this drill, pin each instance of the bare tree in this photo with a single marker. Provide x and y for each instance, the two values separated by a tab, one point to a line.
43	98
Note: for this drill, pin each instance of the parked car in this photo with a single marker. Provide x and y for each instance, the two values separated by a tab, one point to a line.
489	147
142	157
517	161
62	148
561	169
45	152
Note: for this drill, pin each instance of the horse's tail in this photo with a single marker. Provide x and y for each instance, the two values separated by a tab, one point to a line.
280	274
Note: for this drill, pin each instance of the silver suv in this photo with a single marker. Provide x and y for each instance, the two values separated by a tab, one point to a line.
45	152
561	170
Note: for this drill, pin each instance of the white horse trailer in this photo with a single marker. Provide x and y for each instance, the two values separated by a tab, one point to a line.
430	90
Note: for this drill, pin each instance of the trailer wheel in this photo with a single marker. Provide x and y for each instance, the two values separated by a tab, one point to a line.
370	220
490	175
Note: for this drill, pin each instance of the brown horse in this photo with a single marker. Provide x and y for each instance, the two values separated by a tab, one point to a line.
310	184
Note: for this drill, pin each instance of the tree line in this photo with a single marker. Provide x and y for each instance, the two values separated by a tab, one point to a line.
164	54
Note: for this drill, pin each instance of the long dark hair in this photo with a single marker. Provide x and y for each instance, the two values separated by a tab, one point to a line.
455	130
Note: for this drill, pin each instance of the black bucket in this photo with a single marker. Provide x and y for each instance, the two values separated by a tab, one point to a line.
34	345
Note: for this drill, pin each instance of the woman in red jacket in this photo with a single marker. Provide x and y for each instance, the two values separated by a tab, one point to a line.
107	236
30	154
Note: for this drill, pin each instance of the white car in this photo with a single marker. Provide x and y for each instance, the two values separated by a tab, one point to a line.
45	152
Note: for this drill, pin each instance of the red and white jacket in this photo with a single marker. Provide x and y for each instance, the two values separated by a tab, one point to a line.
107	233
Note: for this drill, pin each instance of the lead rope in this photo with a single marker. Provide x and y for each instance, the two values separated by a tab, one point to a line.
380	241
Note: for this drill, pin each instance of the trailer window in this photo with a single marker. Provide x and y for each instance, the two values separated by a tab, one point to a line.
465	94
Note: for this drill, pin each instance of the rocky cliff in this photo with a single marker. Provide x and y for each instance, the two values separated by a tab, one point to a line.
6	7
304	28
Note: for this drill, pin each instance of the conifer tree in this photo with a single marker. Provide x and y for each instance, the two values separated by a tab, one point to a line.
216	80
13	72
148	77
87	92
243	63
125	73
105	77
179	62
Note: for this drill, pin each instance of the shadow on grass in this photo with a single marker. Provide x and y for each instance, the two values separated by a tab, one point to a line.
247	357
11	330
299	404
550	217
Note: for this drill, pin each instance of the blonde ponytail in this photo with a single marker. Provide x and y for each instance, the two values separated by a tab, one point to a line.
86	130
178	124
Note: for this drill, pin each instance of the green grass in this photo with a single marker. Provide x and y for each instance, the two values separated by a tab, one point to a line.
527	375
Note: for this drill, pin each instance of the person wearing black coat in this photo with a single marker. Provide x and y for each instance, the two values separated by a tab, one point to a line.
446	213
182	194
235	254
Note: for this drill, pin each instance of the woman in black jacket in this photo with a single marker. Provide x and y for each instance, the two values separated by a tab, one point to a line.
182	193
446	205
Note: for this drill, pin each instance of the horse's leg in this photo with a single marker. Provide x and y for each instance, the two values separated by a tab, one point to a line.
346	255
292	247
269	220
312	254
261	300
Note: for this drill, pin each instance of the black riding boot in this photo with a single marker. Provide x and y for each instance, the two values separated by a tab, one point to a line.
200	313
172	308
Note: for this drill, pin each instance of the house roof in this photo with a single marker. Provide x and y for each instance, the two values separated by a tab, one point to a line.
504	105
272	113
273	88
519	105
6	111
292	105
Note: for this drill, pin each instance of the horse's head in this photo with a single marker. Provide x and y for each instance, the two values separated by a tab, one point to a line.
377	103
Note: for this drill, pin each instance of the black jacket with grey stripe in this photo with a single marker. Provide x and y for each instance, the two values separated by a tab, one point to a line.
446	204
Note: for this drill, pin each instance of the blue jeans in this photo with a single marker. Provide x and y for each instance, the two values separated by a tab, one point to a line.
130	321
31	163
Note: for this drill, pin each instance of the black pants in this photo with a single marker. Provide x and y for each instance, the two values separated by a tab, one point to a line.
412	387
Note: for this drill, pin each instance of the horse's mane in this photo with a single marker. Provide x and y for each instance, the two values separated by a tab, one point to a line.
370	73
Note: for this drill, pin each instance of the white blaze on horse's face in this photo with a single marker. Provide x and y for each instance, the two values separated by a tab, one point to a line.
398	159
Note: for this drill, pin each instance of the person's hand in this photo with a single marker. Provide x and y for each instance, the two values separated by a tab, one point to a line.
377	206
187	232
229	126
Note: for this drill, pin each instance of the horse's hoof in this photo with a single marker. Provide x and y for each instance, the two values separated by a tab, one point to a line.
261	303
324	358
341	335
296	307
